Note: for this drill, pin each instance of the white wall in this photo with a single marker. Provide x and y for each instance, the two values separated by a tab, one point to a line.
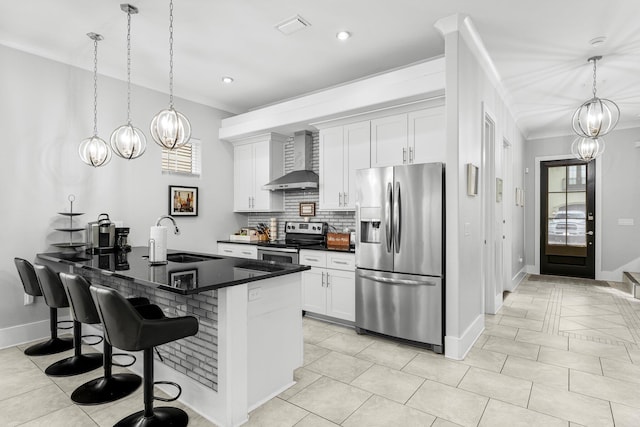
619	194
46	109
469	89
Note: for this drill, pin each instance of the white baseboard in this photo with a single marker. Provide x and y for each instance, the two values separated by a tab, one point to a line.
531	269
20	334
518	278
457	348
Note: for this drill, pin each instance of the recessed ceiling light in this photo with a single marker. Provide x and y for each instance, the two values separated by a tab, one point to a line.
343	35
227	79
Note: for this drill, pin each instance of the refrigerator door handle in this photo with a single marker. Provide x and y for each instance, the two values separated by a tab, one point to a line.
399	281
397	212
387	223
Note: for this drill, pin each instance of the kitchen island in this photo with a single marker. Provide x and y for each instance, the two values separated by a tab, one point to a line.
250	337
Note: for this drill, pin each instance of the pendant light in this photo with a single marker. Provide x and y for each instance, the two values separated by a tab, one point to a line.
587	149
94	151
128	141
596	117
169	128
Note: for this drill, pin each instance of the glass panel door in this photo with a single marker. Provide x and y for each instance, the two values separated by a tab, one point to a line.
567	218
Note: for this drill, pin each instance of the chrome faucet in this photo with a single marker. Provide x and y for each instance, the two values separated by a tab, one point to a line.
169	217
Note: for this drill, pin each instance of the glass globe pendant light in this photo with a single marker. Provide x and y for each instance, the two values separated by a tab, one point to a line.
94	151
169	128
586	148
128	141
596	117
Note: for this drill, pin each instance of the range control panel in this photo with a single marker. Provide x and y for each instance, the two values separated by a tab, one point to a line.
306	227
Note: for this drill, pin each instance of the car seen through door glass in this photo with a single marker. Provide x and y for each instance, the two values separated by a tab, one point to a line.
568	227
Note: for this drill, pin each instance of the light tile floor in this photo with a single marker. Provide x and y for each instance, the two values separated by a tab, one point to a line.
561	352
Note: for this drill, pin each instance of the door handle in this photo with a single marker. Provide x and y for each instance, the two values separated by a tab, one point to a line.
340	199
387	222
404	155
400	281
322	280
590	233
410	155
397	212
345	199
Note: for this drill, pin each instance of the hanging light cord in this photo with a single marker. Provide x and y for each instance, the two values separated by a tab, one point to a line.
129	68
594	77
171	54
95	87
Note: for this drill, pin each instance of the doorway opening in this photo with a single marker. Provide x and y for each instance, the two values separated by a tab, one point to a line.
567	218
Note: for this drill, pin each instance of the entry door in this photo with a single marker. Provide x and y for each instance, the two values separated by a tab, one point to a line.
567	218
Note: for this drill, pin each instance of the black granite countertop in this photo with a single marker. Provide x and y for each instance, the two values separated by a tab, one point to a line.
318	247
184	278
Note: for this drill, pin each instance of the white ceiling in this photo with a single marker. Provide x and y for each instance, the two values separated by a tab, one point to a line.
539	47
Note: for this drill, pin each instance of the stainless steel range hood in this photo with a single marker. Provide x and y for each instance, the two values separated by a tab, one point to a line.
302	177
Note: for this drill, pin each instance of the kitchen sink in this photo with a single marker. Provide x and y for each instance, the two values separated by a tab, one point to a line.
184	257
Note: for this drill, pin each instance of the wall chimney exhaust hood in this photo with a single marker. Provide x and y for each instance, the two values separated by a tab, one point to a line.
302	177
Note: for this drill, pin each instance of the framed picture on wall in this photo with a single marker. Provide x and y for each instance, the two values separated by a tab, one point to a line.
307	209
183	201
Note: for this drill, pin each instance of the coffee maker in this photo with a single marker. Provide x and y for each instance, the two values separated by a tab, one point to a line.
122	234
101	235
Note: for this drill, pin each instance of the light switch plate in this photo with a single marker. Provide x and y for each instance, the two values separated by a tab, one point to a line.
625	221
28	299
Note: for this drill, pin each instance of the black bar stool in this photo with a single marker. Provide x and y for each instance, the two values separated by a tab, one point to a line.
126	328
30	284
111	386
54	295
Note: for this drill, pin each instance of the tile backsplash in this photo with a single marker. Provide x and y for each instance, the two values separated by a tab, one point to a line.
292	199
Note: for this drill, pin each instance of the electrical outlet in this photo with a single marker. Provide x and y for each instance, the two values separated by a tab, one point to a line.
28	299
254	294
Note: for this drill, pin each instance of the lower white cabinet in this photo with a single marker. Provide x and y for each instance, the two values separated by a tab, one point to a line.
238	250
329	287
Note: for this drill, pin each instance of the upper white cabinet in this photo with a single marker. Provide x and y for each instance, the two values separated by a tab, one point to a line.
343	150
257	161
414	137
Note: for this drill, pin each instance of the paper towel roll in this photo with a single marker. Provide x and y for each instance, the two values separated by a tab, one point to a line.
158	245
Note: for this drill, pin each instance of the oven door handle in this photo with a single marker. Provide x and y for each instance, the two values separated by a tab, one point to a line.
275	251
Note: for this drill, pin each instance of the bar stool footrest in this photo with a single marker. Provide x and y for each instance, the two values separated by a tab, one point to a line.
64	322
162	416
123	365
169	399
99	339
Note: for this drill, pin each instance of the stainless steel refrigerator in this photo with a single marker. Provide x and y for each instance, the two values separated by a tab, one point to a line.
400	252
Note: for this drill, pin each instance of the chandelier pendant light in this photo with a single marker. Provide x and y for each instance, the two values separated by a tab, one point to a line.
94	151
128	141
596	117
169	128
586	148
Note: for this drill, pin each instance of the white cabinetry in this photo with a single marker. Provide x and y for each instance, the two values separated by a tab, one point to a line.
343	150
414	137
329	287
256	161
238	250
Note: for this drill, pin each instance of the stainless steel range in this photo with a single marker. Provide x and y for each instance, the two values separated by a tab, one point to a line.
297	235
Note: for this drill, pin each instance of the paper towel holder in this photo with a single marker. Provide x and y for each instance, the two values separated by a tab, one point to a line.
158	249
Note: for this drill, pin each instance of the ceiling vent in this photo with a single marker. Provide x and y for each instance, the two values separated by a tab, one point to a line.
292	25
